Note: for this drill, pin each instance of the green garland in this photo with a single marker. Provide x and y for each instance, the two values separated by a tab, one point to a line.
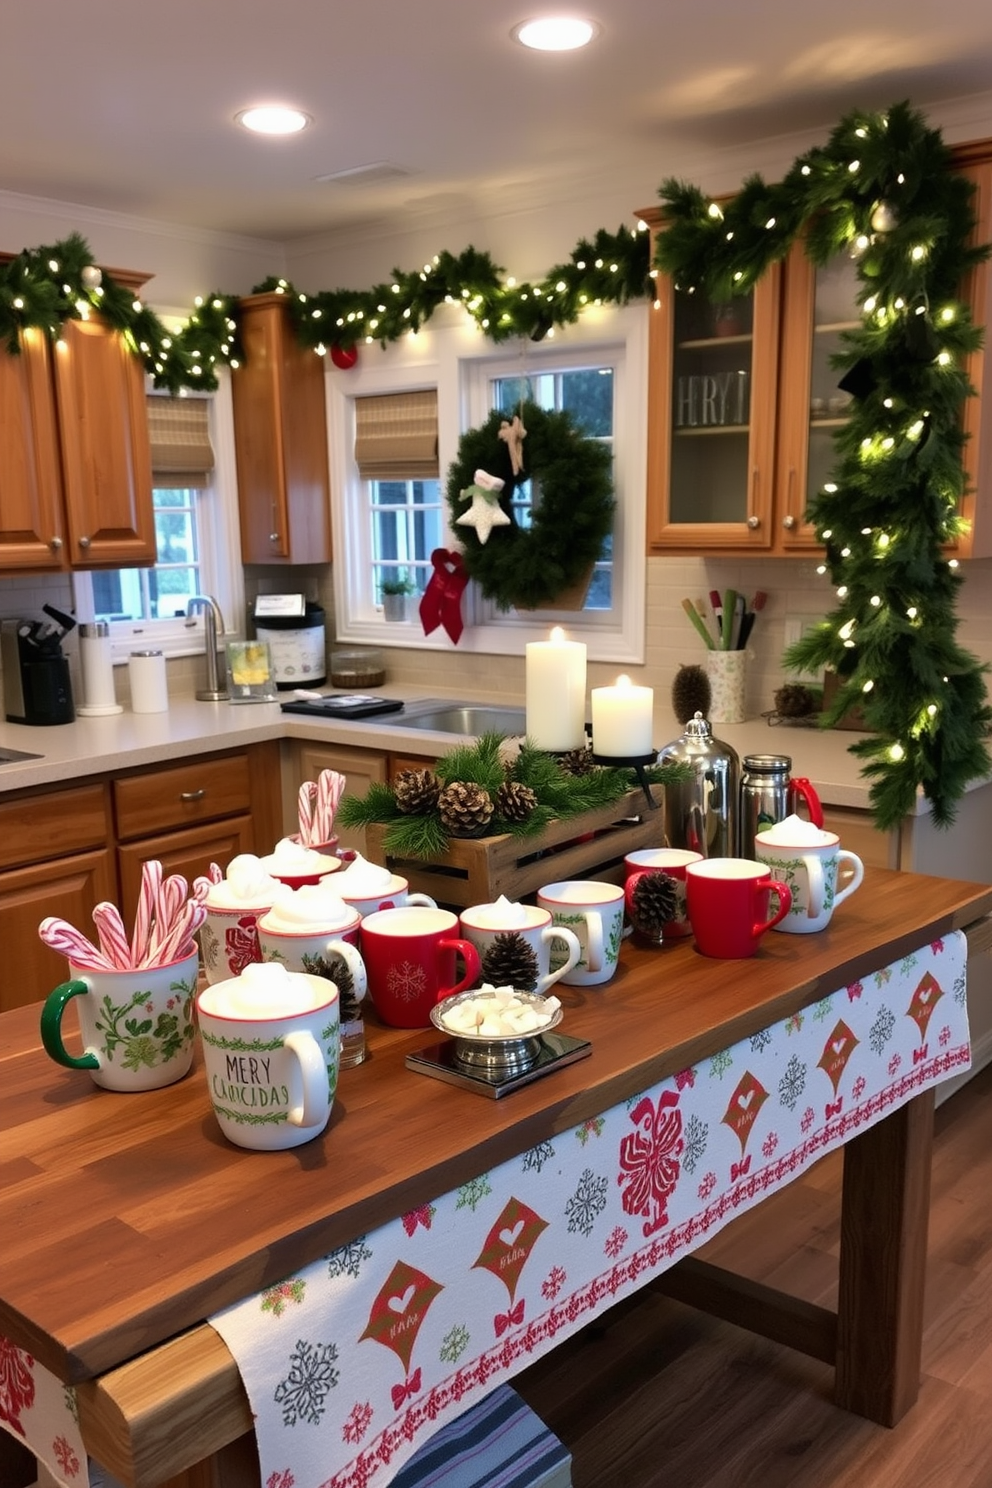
560	795
571	516
882	189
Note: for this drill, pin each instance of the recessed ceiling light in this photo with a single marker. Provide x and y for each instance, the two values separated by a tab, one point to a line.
273	119
555	33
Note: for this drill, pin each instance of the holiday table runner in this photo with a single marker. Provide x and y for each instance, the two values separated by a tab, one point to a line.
351	1364
354	1362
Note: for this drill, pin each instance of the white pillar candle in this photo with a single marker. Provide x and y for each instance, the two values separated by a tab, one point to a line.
556	693
622	720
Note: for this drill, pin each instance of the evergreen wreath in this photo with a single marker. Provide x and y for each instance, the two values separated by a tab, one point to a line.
571	513
882	189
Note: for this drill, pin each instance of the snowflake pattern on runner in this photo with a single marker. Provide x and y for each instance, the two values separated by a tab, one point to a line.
347	1259
454	1343
882	1029
822	1009
960	990
615	1242
587	1203
71	1402
553	1283
720	1064
471	1194
760	1041
907	963
534	1160
66	1457
284	1479
695	1136
311	1378
792	1084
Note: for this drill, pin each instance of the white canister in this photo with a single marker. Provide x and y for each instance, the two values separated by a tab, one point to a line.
149	687
97	662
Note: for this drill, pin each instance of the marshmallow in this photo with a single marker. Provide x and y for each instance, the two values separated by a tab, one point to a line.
795	831
502	915
499	1012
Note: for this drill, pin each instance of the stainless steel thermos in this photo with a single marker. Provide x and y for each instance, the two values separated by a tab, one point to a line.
701	812
769	794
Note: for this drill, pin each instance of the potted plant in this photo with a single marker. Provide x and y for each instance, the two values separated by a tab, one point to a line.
395	589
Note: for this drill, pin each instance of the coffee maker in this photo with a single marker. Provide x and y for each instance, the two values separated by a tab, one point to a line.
36	685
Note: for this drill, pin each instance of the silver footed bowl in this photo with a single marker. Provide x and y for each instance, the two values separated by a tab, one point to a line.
494	1056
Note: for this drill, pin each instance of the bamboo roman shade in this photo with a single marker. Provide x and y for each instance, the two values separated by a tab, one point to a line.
182	454
396	436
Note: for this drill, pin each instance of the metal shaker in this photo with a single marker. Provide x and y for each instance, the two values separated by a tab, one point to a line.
701	811
770	793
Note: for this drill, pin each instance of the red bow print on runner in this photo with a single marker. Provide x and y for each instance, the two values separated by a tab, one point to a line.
421	1216
407	1390
509	1243
740	1169
441	603
649	1160
926	997
399	1309
833	1108
920	1054
836	1052
511	1319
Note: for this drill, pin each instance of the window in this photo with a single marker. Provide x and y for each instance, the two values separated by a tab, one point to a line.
596	370
396	456
195	496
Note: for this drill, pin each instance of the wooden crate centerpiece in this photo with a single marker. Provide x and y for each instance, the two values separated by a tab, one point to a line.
477	870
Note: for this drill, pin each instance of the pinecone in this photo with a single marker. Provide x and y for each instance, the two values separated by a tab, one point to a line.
653	903
510	962
795	701
577	761
466	809
691	693
514	801
416	791
334	968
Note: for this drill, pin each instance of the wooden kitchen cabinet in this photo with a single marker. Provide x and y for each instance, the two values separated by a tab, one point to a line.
56	858
75	465
280	435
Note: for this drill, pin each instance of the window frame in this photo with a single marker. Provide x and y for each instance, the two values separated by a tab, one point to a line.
455	358
219	535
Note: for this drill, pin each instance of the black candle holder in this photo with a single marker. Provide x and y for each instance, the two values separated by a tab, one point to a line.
637	763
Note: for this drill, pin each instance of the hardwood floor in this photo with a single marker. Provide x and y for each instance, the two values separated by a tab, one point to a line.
659	1394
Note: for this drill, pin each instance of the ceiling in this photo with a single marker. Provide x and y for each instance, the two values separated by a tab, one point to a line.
128	106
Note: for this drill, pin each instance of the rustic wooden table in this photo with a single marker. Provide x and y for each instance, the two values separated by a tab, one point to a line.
127	1220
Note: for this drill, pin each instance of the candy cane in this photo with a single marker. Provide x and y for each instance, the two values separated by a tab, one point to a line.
307	797
330	788
151	877
179	942
60	936
113	937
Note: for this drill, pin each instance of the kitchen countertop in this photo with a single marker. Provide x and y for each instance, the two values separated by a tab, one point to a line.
91	746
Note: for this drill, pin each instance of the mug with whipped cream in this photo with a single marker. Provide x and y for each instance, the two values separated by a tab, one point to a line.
809	859
515	941
271	1047
292	863
229	934
311	930
367	887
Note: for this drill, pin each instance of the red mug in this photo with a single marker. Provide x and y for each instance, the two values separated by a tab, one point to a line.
727	901
410	959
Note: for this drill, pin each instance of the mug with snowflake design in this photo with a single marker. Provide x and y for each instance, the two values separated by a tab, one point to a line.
411	960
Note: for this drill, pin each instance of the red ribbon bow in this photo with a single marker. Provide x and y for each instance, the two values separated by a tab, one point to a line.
741	1169
920	1054
504	1320
442	599
834	1108
406	1390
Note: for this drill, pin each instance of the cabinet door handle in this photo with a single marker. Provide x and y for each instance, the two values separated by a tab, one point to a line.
273	537
84	542
754	523
55	544
788	523
196	795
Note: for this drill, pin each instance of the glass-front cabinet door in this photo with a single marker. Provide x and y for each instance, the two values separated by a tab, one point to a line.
820	304
711	424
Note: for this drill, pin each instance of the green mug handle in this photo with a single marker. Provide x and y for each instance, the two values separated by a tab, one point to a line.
51	1027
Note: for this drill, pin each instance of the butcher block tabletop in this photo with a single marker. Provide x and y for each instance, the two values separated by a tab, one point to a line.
126	1219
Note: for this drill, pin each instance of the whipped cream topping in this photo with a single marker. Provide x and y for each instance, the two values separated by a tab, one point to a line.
311	909
362	879
795	831
293	860
265	989
246	885
503	914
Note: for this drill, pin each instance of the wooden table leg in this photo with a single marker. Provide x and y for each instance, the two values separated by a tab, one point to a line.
884	1220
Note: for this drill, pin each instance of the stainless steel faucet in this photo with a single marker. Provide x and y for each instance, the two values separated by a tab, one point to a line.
213	621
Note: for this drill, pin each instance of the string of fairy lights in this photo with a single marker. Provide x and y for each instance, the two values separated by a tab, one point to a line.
882	190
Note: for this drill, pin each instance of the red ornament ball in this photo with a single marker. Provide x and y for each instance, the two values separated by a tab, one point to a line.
344	357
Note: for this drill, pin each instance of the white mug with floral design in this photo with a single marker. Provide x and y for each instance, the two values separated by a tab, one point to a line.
594	912
809	859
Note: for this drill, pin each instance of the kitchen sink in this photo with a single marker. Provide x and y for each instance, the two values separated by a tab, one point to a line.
467	719
11	756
